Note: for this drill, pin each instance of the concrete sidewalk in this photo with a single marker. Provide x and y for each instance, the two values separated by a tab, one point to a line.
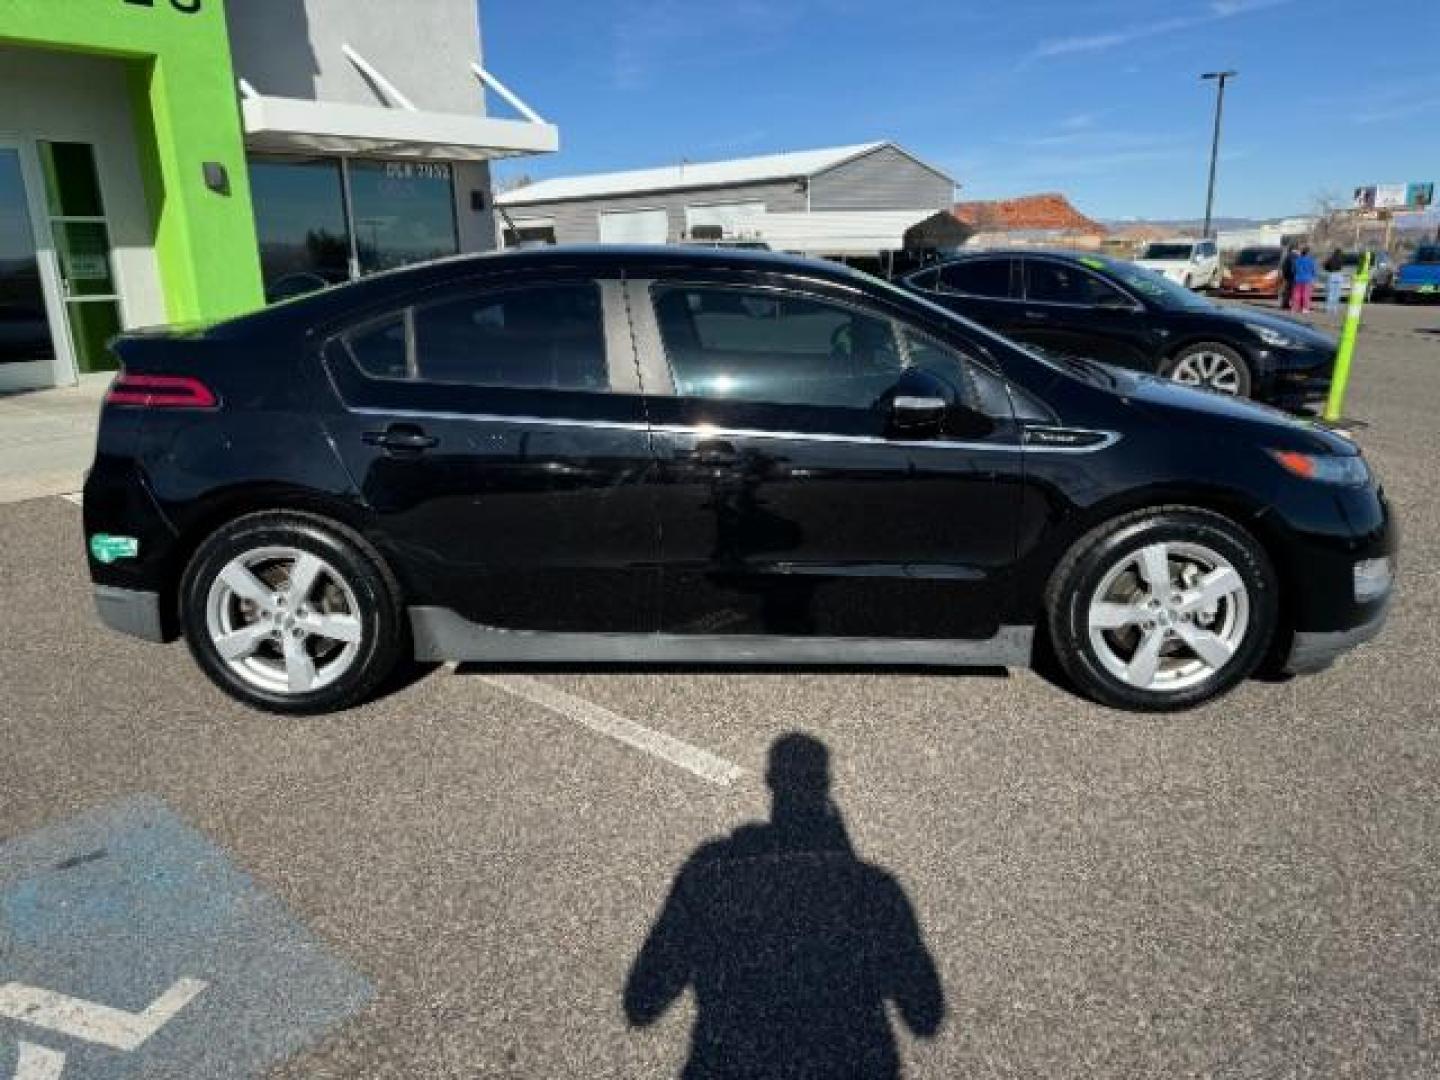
47	439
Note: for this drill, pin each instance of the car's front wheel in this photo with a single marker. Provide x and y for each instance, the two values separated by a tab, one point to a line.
1212	366
1162	609
291	613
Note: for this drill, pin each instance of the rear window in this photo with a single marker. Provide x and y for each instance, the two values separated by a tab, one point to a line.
977	277
543	337
1168	251
1258	257
1428	254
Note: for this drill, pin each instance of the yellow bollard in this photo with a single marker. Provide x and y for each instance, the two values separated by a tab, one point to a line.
1340	380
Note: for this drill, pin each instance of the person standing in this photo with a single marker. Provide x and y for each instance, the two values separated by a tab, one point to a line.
1287	276
1334	280
1305	273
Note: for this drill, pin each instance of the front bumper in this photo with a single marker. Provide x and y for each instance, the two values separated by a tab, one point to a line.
1311	652
130	611
1297	378
1416	292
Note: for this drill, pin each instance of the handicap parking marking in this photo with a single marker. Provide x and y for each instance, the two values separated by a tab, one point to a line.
38	1063
92	1021
130	946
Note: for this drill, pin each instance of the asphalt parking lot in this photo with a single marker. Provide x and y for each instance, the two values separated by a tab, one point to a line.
467	878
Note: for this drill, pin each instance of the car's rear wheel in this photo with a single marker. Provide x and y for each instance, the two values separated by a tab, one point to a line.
1163	609
1212	366
291	613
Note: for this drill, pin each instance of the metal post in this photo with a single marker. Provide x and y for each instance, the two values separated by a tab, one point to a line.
1220	78
1340	380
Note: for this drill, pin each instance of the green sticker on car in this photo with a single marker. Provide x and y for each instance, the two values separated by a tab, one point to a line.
1093	263
106	548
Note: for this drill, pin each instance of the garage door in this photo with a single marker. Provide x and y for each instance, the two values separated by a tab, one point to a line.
634	226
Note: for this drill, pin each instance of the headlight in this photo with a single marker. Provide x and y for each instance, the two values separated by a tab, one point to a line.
1349	470
1274	338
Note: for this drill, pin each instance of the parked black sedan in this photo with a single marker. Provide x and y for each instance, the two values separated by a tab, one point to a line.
1123	314
677	455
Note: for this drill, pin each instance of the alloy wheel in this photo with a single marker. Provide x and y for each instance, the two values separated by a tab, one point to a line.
284	620
1168	616
1212	370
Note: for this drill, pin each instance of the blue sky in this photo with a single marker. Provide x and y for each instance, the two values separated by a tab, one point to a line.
1099	99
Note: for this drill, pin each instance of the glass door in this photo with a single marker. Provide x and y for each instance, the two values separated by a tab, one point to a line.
82	242
27	346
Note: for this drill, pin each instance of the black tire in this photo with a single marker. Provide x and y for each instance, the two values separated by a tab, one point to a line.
1082	571
1245	379
383	635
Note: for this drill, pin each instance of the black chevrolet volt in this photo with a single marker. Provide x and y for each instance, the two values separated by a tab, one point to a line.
670	455
1118	313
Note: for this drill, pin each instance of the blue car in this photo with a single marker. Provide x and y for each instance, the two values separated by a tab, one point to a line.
1419	279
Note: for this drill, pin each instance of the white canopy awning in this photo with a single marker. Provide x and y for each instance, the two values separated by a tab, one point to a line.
291	125
399	129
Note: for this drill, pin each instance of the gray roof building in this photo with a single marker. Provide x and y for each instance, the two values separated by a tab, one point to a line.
729	199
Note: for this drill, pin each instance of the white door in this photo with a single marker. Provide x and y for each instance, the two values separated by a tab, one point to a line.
634	226
34	348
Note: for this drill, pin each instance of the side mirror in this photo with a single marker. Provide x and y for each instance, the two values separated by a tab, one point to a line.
916	417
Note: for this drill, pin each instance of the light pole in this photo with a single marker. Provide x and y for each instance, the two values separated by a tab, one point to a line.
1220	77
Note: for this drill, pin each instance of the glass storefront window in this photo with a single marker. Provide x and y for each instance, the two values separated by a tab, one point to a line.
82	242
398	212
301	225
72	186
24	327
404	212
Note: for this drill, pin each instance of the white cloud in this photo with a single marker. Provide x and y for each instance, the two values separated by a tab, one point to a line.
1217	11
1382	114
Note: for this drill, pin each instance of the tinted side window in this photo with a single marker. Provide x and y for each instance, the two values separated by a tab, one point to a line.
1062	283
742	344
549	337
975	387
977	277
380	349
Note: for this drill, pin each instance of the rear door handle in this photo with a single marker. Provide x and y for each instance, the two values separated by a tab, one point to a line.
1036	316
401	439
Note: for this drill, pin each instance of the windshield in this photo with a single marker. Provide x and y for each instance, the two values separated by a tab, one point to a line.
1428	254
1156	288
1258	257
1168	252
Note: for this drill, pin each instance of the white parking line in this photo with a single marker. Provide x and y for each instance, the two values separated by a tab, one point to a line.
92	1021
702	763
74	497
38	1062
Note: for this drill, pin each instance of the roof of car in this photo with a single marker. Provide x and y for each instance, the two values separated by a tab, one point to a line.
322	305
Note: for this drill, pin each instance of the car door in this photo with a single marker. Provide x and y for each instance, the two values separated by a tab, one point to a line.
789	500
496	435
1070	310
983	288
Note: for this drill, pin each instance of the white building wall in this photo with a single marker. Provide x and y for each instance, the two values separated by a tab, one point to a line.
293	48
423	48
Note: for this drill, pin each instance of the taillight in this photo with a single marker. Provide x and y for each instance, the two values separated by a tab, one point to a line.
161	392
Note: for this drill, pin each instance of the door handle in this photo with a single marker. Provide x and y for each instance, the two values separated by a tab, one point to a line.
714	452
401	439
1036	316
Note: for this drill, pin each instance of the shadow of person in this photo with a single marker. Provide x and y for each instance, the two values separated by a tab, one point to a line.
792	944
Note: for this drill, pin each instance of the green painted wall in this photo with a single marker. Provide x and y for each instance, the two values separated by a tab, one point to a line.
183	96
